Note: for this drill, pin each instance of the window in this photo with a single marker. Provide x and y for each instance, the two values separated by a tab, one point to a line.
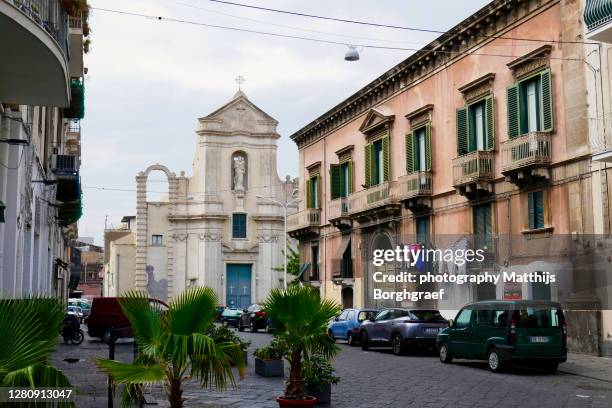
482	317
350	315
499	318
482	220
314	258
541	317
535	203
239	225
343	315
530	105
377	165
366	315
475	127
464	318
384	315
157	240
341	177
422	229
313	186
418	149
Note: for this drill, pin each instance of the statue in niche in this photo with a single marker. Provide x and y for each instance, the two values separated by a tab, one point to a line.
239	172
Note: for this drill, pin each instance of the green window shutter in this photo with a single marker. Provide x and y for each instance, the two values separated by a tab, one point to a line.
539	209
309	193
350	176
368	164
428	147
512	94
546	100
318	203
335	175
410	152
531	206
490	122
462	131
386	163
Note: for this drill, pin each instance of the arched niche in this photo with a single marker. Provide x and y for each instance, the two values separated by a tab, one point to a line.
239	171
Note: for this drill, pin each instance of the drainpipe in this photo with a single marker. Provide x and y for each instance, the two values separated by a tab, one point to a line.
4	148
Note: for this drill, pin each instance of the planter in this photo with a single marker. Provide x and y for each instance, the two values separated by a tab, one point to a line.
269	368
308	401
323	396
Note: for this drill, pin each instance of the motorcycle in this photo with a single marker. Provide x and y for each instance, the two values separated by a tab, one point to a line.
71	330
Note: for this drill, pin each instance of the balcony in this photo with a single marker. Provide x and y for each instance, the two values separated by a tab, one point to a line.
75	41
598	19
34	39
66	170
601	138
304	224
76	109
375	202
415	190
72	146
338	213
473	173
526	158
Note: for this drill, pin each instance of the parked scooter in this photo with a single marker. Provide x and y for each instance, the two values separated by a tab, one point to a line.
71	330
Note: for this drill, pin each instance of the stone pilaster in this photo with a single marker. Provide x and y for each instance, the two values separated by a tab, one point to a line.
140	275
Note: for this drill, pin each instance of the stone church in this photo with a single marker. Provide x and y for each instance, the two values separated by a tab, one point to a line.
219	227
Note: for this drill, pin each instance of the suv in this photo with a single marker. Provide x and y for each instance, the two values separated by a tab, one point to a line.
402	328
346	326
504	331
106	314
254	318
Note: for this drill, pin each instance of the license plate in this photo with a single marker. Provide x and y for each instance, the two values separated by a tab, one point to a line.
539	339
431	330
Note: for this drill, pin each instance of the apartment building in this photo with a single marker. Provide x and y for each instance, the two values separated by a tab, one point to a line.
41	105
478	140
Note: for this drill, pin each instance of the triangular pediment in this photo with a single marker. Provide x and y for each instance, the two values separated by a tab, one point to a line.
375	119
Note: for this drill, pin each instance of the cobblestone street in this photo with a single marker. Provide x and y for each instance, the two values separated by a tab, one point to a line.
375	378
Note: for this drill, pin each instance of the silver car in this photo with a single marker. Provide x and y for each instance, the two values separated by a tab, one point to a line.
401	329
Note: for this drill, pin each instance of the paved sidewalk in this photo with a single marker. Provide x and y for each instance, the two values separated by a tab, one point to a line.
599	368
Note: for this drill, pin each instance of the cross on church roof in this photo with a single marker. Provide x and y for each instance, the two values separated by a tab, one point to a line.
240	80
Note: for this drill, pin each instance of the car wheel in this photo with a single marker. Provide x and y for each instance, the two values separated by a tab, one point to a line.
397	345
331	335
365	346
350	339
550	368
494	360
445	355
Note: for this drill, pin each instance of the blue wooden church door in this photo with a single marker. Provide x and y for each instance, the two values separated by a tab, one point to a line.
238	285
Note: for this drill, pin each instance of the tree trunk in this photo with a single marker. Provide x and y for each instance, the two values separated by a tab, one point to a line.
295	385
175	393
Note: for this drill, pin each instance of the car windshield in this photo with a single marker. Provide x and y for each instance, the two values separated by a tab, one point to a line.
366	315
539	317
426	316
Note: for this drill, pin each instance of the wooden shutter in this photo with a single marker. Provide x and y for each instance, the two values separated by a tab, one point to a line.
410	167
490	122
512	96
462	131
428	147
386	163
531	207
546	100
336	179
538	202
368	164
318	203
350	176
309	193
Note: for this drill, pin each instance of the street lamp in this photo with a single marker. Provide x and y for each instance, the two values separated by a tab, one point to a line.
285	206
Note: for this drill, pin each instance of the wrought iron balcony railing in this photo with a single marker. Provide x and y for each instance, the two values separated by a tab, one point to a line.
532	149
597	13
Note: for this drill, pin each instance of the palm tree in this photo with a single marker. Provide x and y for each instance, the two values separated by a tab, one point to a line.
29	330
300	319
174	347
293	265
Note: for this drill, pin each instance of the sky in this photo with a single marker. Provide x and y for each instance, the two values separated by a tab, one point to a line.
149	81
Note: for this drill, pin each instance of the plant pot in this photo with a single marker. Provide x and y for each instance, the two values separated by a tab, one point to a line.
269	368
246	359
323	396
308	401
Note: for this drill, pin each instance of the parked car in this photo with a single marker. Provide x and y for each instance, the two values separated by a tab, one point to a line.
230	316
76	312
219	313
106	314
346	326
254	318
501	332
401	329
84	305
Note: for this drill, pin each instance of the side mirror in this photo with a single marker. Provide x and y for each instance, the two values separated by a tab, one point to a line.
451	322
336	319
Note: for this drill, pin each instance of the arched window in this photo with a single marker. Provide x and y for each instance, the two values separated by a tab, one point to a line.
240	171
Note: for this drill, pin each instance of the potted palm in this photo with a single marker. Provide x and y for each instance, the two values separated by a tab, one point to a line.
174	346
319	376
222	334
269	359
300	320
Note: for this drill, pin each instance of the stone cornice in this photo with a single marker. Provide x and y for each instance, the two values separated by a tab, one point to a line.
530	62
478	87
479	28
420	116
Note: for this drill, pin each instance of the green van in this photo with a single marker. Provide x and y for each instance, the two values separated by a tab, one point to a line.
501	332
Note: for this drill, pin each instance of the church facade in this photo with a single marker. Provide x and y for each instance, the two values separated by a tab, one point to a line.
223	226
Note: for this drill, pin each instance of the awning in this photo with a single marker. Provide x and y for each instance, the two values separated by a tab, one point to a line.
337	260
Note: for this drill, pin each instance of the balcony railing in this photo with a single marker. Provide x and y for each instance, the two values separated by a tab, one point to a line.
473	167
415	184
338	208
532	149
310	217
49	15
597	13
373	197
63	163
75	22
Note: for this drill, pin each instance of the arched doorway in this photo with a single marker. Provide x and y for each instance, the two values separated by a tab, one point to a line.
347	297
380	241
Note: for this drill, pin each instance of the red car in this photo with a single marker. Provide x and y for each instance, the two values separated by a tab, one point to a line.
106	314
